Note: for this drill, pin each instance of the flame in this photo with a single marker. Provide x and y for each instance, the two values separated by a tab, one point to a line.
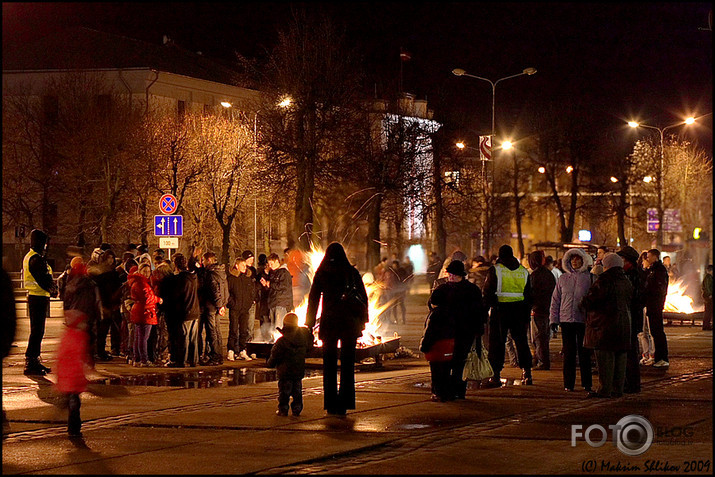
676	301
370	335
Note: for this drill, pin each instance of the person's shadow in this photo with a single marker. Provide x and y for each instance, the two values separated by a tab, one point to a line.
47	393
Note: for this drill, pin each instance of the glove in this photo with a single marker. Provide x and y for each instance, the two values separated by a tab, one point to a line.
554	327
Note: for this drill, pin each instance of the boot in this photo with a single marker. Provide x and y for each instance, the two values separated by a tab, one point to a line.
74	422
526	377
33	367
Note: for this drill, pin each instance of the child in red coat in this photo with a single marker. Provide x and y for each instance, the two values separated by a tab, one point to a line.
82	306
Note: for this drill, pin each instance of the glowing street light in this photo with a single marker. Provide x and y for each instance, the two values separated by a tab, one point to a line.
659	177
542	170
484	242
569	169
285	102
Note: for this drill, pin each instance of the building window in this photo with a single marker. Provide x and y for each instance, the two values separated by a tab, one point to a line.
50	109
181	108
207	110
452	178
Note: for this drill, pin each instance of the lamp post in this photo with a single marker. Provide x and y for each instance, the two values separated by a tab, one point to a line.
485	222
659	177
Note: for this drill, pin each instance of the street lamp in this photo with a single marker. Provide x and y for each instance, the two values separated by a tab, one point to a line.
659	177
460	72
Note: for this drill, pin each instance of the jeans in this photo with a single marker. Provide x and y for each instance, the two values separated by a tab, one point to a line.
189	349
212	326
110	324
572	338
37	307
288	388
655	320
238	329
611	372
335	399
141	338
540	337
274	320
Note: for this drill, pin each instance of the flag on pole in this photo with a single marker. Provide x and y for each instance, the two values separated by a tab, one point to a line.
485	147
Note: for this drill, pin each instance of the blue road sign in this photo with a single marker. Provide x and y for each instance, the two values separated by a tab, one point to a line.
169	225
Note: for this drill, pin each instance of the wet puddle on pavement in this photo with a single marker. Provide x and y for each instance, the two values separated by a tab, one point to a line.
202	378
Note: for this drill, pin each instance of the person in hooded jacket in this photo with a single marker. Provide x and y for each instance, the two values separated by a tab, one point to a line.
288	357
637	278
343	318
82	306
40	286
542	287
461	302
507	291
608	325
566	312
143	313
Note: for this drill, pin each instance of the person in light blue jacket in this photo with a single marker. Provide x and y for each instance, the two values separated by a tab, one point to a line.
566	311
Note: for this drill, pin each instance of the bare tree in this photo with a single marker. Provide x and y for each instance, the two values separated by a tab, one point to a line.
313	69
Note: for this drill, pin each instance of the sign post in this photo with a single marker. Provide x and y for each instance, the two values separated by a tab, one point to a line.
168	227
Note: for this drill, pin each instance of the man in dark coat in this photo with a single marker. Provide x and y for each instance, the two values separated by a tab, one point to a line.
40	286
608	325
637	278
656	291
280	295
507	291
181	306
462	301
213	296
543	283
242	294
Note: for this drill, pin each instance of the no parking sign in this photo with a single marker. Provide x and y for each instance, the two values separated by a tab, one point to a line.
168	204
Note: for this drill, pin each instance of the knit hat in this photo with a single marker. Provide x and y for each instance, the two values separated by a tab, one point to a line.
611	260
456	267
290	320
459	255
629	253
247	254
505	252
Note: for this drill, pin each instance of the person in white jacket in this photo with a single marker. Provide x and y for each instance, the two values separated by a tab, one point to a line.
566	312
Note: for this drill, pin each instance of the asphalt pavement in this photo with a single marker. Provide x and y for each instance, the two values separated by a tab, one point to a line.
221	419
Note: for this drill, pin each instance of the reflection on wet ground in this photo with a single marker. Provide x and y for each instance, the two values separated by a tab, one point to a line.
202	378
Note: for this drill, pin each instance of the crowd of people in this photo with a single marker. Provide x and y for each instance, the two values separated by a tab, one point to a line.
160	312
610	307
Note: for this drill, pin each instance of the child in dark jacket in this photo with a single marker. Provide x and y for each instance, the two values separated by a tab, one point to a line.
288	357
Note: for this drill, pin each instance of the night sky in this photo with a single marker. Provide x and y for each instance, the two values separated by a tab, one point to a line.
651	61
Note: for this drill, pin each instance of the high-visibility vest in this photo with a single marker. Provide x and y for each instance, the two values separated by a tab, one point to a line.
30	283
510	283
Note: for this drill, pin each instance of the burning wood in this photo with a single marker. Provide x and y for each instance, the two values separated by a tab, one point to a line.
370	335
677	301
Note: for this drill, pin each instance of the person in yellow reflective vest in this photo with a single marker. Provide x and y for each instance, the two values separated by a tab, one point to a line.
37	278
507	291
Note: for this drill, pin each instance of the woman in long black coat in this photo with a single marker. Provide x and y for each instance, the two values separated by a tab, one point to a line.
343	318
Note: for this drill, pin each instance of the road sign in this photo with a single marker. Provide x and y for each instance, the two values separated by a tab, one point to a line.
168	225
485	147
169	242
671	220
168	204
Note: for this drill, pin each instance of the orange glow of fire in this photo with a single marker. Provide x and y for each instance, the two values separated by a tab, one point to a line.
676	301
370	335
